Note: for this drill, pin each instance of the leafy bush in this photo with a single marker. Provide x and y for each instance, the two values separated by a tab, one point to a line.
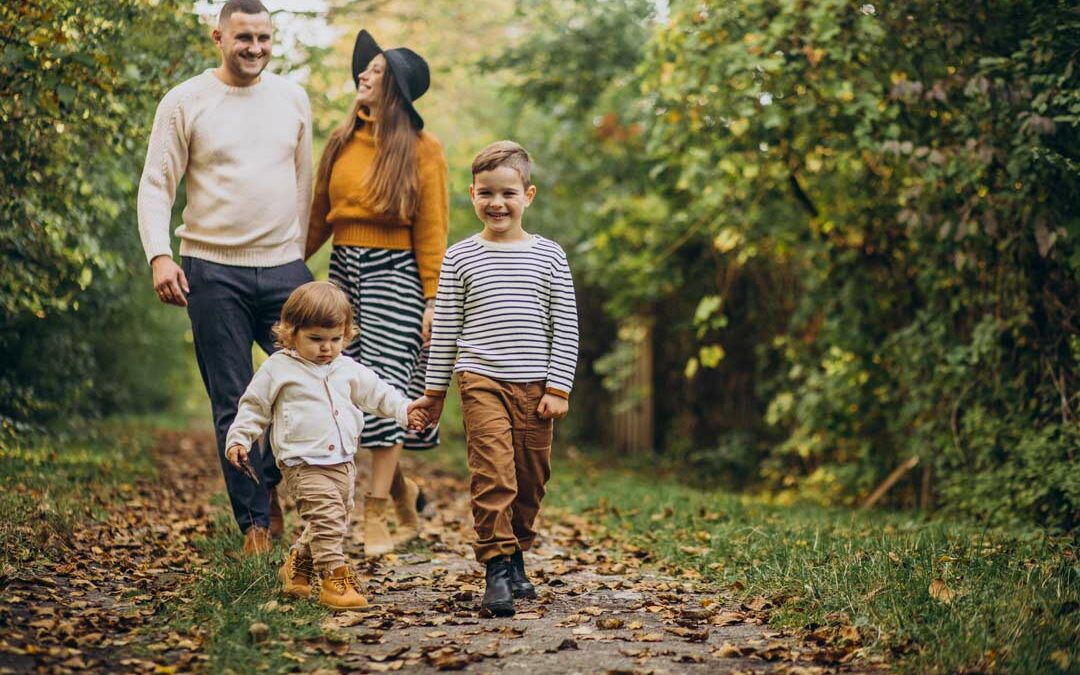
879	201
79	82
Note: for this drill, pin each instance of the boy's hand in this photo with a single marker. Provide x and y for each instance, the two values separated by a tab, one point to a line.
552	407
237	456
431	406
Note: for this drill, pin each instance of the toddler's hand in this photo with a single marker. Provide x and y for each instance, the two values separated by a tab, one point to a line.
237	455
430	406
552	407
418	420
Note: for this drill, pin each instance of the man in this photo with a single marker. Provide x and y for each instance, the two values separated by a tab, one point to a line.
242	137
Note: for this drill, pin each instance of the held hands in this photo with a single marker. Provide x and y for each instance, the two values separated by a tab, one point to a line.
237	456
552	407
170	282
418	419
429	406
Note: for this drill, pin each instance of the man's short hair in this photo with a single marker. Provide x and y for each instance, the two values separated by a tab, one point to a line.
243	6
504	153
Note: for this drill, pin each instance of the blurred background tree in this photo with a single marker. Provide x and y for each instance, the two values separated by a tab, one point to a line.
856	228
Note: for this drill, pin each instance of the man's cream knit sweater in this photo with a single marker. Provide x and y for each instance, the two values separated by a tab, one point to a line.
246	152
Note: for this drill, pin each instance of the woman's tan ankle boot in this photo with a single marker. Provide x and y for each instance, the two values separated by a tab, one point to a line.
408	520
377	539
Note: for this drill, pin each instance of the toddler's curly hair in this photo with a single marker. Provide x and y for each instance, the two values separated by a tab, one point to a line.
316	304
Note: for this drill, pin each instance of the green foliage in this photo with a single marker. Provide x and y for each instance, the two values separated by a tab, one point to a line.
234	594
870	212
79	82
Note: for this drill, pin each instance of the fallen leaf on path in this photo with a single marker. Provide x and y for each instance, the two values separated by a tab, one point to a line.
689	633
730	651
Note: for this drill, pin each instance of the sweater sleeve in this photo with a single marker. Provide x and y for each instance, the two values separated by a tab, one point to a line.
564	328
449	317
432	224
377	397
303	169
166	162
254	411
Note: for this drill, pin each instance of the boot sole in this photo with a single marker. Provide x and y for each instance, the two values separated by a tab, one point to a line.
497	610
525	595
342	608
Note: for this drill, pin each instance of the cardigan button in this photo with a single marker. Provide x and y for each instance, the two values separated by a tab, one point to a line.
331	446
335	412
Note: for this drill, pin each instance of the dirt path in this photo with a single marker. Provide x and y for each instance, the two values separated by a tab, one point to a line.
601	609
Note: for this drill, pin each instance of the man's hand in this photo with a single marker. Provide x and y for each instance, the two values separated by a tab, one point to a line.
431	406
170	283
425	329
237	455
552	407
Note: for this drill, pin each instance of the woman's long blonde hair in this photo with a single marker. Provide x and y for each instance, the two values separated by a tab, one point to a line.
394	177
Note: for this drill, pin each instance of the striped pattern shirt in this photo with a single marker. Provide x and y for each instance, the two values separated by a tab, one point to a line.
505	311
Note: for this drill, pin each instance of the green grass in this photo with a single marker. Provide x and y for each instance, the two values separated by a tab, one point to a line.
238	591
49	484
1017	603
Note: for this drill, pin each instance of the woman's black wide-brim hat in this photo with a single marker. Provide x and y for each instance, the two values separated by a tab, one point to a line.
409	68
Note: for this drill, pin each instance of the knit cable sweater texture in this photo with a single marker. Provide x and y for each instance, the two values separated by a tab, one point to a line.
246	152
342	207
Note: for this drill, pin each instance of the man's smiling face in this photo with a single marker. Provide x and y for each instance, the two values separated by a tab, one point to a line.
245	42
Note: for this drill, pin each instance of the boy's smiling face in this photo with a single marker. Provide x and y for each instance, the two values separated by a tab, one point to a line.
499	197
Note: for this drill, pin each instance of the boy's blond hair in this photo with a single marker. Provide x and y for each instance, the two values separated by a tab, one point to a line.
316	304
504	153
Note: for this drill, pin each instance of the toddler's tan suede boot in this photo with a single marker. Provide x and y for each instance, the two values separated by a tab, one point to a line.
341	590
296	574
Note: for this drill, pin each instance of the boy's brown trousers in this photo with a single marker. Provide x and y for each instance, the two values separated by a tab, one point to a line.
509	449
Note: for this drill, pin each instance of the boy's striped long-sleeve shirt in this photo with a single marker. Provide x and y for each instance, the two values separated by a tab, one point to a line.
505	311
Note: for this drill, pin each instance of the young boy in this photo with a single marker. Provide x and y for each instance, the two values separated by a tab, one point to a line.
312	398
506	323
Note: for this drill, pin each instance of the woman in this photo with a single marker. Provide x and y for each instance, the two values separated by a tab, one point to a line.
381	190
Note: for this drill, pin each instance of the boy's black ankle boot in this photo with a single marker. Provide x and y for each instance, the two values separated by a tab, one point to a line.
498	597
519	581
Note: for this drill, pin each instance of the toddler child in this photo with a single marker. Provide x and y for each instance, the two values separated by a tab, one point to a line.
312	398
506	323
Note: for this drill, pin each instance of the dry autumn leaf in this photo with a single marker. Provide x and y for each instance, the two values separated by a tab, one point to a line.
941	592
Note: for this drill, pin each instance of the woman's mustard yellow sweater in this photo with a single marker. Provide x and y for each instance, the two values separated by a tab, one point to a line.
341	207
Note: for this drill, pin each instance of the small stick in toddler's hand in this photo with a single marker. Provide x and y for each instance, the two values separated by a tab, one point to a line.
244	465
249	470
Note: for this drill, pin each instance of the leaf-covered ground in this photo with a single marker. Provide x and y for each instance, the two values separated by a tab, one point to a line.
111	602
93	603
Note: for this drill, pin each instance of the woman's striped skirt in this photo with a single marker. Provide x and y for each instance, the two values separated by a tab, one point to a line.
388	299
